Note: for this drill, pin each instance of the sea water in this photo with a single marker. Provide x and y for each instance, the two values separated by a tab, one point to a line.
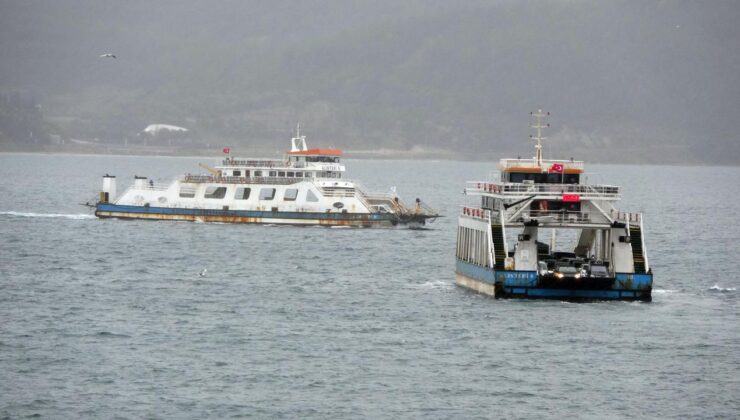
112	319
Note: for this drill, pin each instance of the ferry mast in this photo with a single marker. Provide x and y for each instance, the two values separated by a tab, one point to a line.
539	126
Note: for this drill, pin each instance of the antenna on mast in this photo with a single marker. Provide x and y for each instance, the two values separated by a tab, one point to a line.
539	126
298	143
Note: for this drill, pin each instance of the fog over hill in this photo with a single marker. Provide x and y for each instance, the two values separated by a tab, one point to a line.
631	81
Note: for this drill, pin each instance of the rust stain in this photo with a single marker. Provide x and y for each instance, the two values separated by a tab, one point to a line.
360	222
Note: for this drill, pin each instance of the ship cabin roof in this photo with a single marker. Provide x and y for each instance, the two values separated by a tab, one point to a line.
315	156
550	171
307	163
316	152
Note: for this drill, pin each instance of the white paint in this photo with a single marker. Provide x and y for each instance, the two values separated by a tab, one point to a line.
109	186
525	256
621	252
156	128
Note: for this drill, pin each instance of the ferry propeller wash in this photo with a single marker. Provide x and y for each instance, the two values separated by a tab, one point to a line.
305	188
502	251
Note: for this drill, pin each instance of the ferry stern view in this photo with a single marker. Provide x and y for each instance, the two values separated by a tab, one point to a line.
305	188
502	241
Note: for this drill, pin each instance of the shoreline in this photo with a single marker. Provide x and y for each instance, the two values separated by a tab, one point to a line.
372	154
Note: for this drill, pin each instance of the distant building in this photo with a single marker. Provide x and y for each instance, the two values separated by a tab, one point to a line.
166	134
155	129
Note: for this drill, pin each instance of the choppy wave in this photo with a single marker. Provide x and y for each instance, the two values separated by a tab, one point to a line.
664	291
436	284
718	288
78	216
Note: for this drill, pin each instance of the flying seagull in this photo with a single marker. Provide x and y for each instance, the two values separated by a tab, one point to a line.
203	273
107	55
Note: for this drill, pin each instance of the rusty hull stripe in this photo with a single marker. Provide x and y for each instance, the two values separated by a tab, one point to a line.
241	219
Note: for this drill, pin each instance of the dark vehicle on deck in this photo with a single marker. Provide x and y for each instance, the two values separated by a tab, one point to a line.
569	277
598	271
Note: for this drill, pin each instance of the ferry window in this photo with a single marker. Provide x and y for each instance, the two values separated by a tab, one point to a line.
299	174
273	173
281	174
187	192
290	174
242	193
515	177
257	173
267	194
215	192
291	194
237	173
571	178
246	173
311	197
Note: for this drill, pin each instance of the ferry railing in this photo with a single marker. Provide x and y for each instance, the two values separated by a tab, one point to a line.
626	217
337	192
366	197
559	217
475	213
516	189
257	163
146	187
563	217
532	164
158	187
202	179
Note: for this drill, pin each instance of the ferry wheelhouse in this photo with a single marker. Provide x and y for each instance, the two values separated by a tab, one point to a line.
305	188
541	232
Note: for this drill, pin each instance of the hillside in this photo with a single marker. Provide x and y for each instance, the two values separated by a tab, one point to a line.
632	81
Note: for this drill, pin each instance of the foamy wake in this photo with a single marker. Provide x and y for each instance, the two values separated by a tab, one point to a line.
437	284
717	288
664	291
79	216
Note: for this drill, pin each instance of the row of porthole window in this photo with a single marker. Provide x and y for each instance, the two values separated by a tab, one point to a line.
243	193
281	174
287	174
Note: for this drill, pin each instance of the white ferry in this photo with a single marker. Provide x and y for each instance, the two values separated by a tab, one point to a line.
502	248
305	188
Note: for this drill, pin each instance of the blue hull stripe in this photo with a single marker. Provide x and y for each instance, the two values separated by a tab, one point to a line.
524	284
360	217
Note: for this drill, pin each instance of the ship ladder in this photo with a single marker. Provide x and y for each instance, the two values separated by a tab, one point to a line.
497	234
637	255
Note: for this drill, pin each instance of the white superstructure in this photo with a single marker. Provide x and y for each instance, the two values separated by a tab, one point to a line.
307	187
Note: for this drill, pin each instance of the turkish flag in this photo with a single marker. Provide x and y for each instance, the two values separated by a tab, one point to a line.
227	150
556	167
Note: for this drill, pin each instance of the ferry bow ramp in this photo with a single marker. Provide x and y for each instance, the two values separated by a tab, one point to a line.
507	240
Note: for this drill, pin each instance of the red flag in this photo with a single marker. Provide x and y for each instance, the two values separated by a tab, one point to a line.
227	150
556	167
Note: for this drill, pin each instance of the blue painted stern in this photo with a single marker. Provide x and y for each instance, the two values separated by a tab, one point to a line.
512	284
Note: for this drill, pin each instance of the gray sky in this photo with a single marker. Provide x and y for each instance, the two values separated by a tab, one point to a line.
368	74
